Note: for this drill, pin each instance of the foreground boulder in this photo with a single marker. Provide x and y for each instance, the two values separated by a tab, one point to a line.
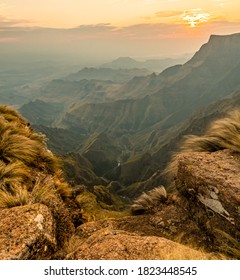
102	241
41	216
34	218
211	183
197	221
27	232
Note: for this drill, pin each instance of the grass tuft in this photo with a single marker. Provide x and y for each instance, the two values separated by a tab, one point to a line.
16	197
23	155
221	134
43	190
232	245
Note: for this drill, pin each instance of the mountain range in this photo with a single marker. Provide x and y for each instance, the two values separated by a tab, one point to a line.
154	65
105	74
128	130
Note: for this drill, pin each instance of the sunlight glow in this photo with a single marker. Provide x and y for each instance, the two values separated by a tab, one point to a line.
195	17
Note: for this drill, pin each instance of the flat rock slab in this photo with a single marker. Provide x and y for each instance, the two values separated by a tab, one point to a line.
109	244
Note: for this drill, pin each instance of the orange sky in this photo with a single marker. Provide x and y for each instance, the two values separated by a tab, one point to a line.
72	13
157	26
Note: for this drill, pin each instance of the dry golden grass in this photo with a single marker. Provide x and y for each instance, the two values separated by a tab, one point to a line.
61	185
11	115
91	209
147	201
19	147
17	196
52	164
73	244
231	247
43	190
221	134
186	253
23	154
15	172
37	136
4	109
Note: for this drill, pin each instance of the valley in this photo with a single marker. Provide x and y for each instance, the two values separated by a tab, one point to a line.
118	122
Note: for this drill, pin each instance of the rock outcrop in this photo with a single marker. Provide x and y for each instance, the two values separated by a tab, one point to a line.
184	226
41	217
27	232
202	211
107	244
211	182
34	218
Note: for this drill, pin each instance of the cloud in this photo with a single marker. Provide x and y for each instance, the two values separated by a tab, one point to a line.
97	28
151	30
10	30
104	40
6	22
107	32
165	16
195	16
222	27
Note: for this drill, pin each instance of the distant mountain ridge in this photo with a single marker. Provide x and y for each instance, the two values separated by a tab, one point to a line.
173	98
105	74
154	65
147	116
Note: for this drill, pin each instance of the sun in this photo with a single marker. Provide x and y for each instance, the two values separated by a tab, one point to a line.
194	17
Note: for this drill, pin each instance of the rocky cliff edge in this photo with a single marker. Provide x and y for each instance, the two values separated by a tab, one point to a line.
200	220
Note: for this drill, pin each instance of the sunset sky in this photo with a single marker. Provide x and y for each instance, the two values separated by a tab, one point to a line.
72	13
161	27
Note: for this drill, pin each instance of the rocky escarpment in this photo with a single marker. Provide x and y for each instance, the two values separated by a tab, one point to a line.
34	219
146	116
41	217
200	214
191	224
39	210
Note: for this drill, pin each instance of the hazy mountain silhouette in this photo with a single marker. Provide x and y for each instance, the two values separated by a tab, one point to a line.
169	98
154	65
146	116
105	74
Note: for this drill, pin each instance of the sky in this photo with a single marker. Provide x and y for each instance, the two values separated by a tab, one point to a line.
109	28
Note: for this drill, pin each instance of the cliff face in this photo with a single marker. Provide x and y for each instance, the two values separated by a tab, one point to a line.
200	214
145	116
194	84
38	209
211	182
216	46
206	203
41	217
32	192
